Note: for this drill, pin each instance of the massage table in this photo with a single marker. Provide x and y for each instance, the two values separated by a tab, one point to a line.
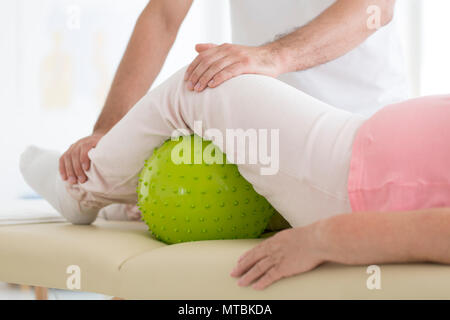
122	259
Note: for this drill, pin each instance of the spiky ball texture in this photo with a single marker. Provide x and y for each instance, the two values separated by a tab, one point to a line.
187	192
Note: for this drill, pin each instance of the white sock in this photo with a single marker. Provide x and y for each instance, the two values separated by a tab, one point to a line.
40	170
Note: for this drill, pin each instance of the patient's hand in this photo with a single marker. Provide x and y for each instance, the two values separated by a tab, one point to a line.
217	64
288	253
75	161
359	238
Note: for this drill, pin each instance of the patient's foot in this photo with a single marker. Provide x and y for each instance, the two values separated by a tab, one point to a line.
40	170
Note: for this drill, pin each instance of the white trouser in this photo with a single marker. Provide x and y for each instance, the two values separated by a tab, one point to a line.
315	143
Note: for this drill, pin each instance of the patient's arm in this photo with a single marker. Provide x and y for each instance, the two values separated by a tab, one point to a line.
362	238
356	238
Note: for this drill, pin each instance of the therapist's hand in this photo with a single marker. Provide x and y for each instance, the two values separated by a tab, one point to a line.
216	64
287	253
75	161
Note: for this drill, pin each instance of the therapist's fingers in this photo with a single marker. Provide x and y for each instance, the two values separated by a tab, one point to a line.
69	170
201	54
226	74
213	70
84	158
205	60
62	168
204	46
76	157
204	51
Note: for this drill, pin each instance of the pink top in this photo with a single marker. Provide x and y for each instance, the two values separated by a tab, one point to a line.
401	158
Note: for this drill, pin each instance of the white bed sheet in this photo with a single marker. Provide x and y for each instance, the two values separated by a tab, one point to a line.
28	211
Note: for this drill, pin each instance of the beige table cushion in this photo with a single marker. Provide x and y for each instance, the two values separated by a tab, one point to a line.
122	259
39	254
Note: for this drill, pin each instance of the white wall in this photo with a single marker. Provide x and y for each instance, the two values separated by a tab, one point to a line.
410	16
435	67
424	28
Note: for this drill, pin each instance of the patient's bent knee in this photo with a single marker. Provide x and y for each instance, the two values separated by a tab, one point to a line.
252	84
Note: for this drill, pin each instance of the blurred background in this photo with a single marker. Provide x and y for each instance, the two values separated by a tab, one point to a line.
58	58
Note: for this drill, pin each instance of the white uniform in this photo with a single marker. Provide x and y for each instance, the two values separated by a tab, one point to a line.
362	81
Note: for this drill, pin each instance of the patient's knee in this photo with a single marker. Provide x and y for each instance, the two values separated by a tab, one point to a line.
241	82
248	83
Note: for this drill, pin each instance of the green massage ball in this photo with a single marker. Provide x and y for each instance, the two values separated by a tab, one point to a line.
188	192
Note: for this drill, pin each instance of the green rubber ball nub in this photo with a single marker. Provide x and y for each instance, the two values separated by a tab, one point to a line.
197	195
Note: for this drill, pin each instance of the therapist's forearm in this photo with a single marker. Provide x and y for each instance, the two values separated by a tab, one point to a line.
369	238
338	30
140	65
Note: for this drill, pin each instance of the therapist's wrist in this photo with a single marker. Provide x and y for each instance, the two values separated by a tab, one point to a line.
280	57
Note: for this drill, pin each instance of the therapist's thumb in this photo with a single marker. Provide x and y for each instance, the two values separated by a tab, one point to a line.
204	46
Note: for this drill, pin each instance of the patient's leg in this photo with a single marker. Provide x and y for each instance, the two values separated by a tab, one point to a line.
315	143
